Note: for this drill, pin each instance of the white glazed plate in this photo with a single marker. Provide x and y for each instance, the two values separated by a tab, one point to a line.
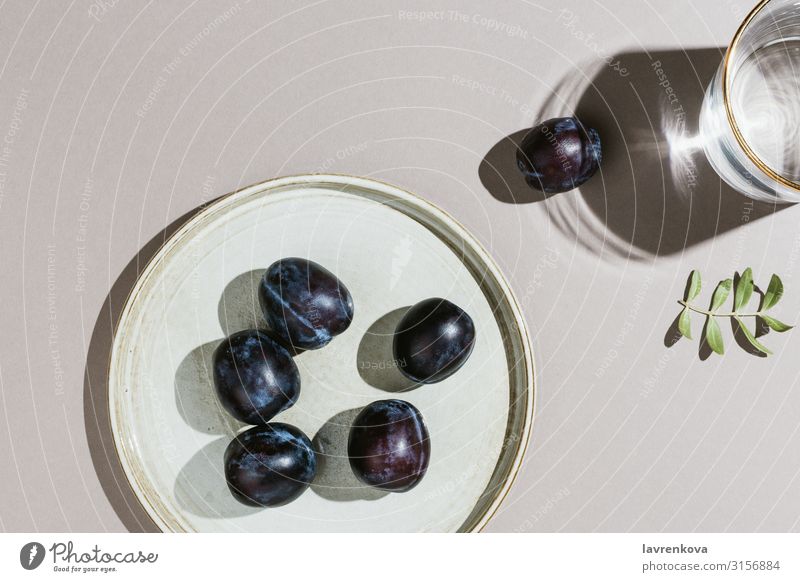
391	249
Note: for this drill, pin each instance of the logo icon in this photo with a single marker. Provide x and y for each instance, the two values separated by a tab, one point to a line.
31	555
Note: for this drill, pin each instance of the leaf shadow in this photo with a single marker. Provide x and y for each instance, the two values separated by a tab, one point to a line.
741	340
762	328
704	351
673	334
688	287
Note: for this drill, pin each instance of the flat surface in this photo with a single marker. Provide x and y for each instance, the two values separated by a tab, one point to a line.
172	430
116	123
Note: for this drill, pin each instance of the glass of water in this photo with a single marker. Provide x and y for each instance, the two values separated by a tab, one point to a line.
750	119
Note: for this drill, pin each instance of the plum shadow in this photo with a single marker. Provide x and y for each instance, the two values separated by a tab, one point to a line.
195	397
239	307
655	192
375	358
200	486
335	480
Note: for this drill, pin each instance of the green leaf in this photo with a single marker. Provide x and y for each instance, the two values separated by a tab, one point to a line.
744	289
685	324
693	285
773	294
714	335
751	338
721	294
775	325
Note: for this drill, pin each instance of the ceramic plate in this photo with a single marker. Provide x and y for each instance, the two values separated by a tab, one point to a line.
392	250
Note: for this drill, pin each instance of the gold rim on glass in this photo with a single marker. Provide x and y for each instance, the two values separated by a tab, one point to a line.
763	166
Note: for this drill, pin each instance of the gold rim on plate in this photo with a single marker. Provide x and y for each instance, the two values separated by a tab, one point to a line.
497	491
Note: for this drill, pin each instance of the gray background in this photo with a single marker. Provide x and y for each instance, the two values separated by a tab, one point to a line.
118	119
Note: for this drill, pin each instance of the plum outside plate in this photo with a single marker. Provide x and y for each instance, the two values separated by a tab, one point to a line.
392	249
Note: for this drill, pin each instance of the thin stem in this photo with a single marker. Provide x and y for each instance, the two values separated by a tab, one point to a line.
717	313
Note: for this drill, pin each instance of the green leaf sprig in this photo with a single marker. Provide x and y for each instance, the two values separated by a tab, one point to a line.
743	289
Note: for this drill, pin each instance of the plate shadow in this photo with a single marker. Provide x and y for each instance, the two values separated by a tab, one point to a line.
97	420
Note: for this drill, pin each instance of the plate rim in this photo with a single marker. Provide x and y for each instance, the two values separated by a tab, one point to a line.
499	496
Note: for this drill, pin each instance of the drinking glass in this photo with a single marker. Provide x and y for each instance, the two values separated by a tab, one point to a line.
750	119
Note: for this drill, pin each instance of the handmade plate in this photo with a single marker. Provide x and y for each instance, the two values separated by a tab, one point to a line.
391	249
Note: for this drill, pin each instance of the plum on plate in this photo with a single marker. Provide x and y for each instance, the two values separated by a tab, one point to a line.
305	304
255	376
559	154
433	340
270	465
389	446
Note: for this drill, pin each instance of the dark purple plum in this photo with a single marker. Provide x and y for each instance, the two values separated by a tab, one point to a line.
389	446
305	304
255	376
559	155
270	465
433	340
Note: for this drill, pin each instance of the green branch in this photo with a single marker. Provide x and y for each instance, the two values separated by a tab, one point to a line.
743	289
717	313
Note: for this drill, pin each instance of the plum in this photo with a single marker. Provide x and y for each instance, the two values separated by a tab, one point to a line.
255	376
304	304
389	447
559	154
270	465
433	340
